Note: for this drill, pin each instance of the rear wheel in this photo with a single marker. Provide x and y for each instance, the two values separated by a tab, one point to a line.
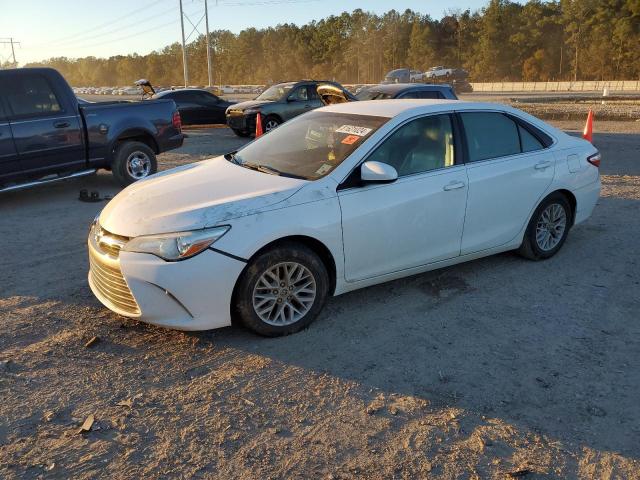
133	161
282	290
547	229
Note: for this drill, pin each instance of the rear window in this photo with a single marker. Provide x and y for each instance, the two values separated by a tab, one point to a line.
30	95
424	94
373	95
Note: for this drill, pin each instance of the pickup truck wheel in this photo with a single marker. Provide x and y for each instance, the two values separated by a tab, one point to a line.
133	161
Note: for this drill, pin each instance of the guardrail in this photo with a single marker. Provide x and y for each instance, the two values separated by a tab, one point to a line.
579	86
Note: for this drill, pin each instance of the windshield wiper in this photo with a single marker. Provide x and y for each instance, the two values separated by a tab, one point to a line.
270	170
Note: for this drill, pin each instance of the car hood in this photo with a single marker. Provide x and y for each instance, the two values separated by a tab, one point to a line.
194	196
251	104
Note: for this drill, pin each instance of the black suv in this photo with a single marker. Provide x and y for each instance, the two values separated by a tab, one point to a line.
277	104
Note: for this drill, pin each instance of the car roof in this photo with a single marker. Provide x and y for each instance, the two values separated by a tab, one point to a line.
398	70
397	87
167	92
395	107
305	81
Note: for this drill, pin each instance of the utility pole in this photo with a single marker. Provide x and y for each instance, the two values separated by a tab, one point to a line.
206	21
184	49
10	41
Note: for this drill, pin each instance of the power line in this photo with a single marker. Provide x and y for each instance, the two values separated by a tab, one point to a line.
105	24
109	32
263	2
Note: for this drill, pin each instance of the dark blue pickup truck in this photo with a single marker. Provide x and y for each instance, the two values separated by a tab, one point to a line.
47	135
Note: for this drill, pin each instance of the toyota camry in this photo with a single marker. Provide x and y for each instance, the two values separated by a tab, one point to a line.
337	199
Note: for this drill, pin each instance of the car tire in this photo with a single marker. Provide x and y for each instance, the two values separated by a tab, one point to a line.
266	299
270	122
240	133
548	228
133	161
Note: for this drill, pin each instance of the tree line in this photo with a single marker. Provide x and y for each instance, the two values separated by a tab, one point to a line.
504	41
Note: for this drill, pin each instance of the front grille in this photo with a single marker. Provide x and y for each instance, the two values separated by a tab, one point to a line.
236	122
110	284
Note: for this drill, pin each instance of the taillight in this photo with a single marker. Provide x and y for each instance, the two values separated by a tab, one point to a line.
177	121
594	159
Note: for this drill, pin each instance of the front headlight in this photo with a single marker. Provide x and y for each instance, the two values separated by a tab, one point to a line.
251	111
176	246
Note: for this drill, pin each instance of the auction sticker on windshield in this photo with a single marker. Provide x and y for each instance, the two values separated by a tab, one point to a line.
353	130
350	139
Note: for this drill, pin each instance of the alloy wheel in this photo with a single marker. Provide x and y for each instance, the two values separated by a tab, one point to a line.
138	165
270	125
551	226
284	293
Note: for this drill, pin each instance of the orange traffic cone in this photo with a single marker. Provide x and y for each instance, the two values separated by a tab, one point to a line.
587	134
259	125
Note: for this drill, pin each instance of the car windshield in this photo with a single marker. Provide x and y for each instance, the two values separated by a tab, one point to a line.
373	95
309	146
276	92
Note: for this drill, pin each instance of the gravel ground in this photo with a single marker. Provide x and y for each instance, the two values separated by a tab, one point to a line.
491	369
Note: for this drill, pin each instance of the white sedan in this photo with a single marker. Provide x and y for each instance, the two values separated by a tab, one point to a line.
338	199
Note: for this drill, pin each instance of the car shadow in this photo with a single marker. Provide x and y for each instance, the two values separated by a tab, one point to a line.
549	346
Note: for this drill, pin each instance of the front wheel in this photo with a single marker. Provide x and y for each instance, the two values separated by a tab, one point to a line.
282	290
547	229
270	123
133	161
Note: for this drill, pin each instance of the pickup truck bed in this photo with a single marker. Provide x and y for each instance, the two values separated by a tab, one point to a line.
45	134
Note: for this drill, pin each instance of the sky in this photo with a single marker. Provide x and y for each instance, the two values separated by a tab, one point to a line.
80	28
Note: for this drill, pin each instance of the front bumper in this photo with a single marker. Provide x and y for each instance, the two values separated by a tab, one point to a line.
242	122
193	294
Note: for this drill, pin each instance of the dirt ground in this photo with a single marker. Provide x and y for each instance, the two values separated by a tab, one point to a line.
498	368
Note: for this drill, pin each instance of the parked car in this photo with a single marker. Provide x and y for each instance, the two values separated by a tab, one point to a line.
408	90
461	86
338	199
46	134
403	75
438	72
197	106
276	104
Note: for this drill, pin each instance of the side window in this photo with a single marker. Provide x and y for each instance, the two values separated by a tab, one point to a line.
490	135
178	97
207	98
299	94
409	95
430	94
31	95
528	141
312	92
419	146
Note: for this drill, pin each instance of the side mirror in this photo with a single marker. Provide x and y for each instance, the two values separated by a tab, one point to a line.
377	172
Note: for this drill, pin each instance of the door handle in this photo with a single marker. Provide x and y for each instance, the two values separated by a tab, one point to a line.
61	124
543	165
453	186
